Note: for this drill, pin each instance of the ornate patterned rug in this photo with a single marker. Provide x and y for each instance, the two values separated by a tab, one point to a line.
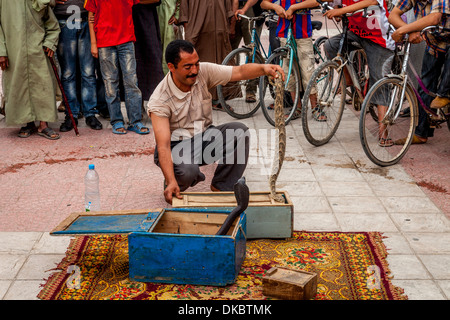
349	266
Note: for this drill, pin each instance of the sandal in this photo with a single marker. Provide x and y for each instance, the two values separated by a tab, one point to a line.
49	133
385	142
118	125
405	113
138	127
415	140
251	98
297	114
26	131
219	107
319	115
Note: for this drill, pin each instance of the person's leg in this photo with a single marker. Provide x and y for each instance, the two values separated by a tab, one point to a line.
228	144
431	67
88	79
67	58
306	62
443	90
133	95
187	171
376	56
109	65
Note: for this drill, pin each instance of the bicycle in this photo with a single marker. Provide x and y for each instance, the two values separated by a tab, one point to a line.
380	125
240	99
293	91
320	121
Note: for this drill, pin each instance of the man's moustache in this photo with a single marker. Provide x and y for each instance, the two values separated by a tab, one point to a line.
192	75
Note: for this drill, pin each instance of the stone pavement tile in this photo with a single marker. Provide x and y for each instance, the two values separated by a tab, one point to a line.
438	265
429	243
343	188
392	188
311	204
365	222
421	222
24	290
10	264
396	243
315	222
445	286
304	189
336	173
356	204
4	286
409	205
407	267
51	244
18	242
420	289
39	266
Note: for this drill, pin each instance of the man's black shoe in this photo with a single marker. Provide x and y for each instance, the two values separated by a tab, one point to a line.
93	122
67	124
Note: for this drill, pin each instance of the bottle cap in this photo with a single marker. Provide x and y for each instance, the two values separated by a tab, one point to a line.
91	167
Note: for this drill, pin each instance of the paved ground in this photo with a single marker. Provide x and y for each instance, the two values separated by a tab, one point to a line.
333	187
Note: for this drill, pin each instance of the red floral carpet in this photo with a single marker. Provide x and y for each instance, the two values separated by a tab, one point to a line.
349	266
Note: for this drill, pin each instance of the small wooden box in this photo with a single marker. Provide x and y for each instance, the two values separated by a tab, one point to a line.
288	284
266	218
170	245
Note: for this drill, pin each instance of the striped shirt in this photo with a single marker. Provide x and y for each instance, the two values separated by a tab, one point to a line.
301	28
423	8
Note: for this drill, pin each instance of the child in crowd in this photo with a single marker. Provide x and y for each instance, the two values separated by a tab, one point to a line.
112	42
436	60
302	31
373	36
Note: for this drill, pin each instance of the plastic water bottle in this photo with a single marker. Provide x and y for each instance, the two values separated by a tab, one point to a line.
92	193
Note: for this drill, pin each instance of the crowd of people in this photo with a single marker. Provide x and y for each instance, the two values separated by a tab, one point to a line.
113	50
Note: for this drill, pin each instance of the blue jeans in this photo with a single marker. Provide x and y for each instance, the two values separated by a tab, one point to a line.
436	78
111	60
74	49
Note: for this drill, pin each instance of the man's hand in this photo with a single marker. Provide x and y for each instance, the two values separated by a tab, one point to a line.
272	70
49	52
281	12
172	189
4	63
414	37
94	50
333	13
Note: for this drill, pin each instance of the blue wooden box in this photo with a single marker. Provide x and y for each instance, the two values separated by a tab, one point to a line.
266	218
170	245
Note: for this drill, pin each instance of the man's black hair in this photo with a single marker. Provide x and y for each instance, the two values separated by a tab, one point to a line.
174	48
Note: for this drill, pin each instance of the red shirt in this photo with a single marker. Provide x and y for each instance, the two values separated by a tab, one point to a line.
113	24
375	27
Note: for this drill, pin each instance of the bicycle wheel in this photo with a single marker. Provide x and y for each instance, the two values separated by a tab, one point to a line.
240	99
380	130
292	94
321	119
319	51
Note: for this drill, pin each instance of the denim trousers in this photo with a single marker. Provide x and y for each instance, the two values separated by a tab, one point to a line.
436	78
112	59
74	53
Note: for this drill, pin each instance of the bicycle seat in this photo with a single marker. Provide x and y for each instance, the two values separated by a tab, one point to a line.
316	25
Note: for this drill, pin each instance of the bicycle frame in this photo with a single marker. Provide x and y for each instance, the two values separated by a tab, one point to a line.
406	81
291	47
255	42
